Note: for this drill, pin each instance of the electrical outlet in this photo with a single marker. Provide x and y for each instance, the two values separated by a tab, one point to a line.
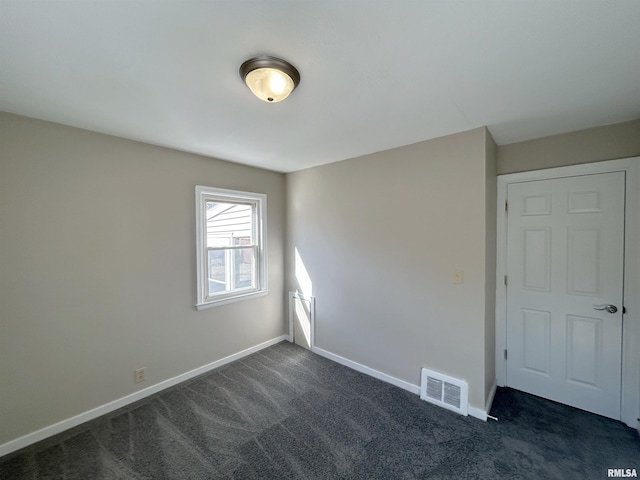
138	375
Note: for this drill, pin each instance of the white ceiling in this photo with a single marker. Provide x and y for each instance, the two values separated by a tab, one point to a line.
375	74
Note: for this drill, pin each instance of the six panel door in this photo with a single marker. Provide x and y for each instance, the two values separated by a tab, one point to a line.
565	257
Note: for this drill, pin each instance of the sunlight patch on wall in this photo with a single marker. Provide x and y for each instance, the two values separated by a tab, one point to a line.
304	285
303	319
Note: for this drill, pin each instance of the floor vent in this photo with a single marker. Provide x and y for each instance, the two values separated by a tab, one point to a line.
447	392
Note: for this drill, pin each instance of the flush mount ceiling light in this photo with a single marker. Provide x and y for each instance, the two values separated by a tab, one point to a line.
270	79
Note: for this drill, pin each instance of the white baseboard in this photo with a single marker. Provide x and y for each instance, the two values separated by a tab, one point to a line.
484	414
478	413
410	387
59	427
368	371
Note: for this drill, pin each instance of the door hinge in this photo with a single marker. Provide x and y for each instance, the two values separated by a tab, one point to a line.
624	310
505	280
506	206
505	353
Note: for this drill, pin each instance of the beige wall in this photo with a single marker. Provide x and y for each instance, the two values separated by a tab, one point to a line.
491	190
380	237
621	140
97	270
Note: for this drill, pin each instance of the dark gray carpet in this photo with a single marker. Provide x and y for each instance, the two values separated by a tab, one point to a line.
284	413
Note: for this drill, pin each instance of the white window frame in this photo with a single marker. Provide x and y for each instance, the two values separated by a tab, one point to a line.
259	204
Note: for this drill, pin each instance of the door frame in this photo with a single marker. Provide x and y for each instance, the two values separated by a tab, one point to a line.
630	394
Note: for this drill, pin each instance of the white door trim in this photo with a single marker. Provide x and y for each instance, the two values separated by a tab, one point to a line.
630	407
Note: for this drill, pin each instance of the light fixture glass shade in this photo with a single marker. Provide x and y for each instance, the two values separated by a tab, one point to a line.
269	84
270	79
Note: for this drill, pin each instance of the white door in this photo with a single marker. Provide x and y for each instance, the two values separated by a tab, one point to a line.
565	256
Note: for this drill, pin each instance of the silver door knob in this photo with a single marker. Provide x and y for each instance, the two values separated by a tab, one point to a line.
608	308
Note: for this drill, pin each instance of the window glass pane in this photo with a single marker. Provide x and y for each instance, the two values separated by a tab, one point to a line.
228	222
217	271
244	267
231	228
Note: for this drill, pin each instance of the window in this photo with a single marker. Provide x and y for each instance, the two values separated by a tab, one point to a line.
231	249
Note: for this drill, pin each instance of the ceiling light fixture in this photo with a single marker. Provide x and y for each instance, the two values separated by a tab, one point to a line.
270	79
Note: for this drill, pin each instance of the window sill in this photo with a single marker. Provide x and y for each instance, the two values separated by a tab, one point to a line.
233	299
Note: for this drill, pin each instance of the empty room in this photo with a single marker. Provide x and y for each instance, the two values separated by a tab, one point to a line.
322	239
